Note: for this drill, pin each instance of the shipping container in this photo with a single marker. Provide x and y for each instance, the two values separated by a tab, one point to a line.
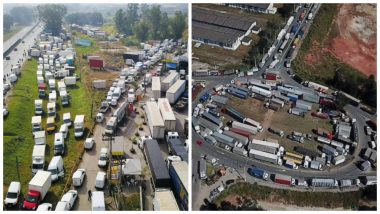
263	148
276	131
169	80
155	121
338	159
212	119
304	105
323	140
239	151
207	124
175	91
254	123
235	114
315	165
156	87
263	156
240	138
156	163
226	140
240	132
258	173
178	171
324	182
167	114
283	179
245	127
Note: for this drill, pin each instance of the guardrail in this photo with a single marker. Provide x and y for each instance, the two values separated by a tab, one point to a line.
7	52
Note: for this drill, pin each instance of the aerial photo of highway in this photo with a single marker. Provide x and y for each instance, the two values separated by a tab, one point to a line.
284	107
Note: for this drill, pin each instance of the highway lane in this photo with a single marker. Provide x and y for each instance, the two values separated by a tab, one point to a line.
15	56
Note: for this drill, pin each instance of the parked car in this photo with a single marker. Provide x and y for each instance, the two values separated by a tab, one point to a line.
69	199
45	207
89	143
13	194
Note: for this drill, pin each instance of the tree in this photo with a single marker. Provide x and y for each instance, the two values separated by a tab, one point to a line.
22	15
154	18
141	30
52	15
85	18
7	22
131	17
178	24
119	20
164	27
286	10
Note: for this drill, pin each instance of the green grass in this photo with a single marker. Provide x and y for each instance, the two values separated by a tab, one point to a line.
18	140
12	32
109	28
131	202
348	200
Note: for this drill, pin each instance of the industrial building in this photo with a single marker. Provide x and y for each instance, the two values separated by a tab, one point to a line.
258	8
220	29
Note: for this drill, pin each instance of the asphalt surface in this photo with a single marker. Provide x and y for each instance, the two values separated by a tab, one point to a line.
16	56
348	170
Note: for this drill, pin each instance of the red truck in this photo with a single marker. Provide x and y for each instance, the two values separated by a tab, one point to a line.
327	102
283	179
95	62
38	188
302	16
240	132
271	76
41	90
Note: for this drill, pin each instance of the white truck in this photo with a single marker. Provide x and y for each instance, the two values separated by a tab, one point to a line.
97	201
167	114
38	107
39	138
36	123
131	95
38	188
79	126
155	121
169	80
52	84
64	97
175	91
38	158
70	80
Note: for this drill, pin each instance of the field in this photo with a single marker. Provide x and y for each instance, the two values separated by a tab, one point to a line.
342	37
226	59
18	139
281	119
347	200
12	32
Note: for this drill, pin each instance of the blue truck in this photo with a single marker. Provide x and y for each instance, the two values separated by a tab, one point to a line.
204	97
235	114
258	173
178	173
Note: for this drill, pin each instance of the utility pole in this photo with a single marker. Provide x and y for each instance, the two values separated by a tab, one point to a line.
18	172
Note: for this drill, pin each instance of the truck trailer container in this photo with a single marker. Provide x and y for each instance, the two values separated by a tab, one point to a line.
226	140
207	124
263	156
167	114
263	148
234	114
254	123
212	119
37	189
240	138
261	91
324	182
156	163
245	127
239	151
304	105
338	159
38	158
178	171
240	132
258	173
169	80
155	121
276	131
175	91
283	179
156	87
164	200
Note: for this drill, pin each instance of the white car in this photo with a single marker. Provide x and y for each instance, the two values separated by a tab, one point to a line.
114	102
109	99
89	143
70	197
100	180
13	194
45	207
78	177
99	117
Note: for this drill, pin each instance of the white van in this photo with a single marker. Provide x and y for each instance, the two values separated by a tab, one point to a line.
53	96
64	130
103	157
100	180
111	125
67	119
89	143
116	93
78	177
56	168
13	194
59	144
62	206
97	201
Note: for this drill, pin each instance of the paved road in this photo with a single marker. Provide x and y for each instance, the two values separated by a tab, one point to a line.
17	55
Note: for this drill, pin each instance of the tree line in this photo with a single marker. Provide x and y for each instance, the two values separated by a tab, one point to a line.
20	15
95	19
149	22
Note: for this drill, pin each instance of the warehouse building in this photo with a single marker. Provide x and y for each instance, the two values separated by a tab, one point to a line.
221	29
258	8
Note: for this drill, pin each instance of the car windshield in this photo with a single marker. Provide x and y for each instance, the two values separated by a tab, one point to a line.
67	121
109	127
38	166
50	125
103	158
53	171
11	195
79	130
58	147
32	199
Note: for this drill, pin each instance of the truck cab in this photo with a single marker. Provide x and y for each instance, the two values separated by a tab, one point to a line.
111	125
53	96
38	107
36	123
64	97
67	119
50	124
51	109
171	135
41	90
131	95
32	200
79	125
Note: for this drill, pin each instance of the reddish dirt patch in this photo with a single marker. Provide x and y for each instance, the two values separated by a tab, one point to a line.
316	52
355	43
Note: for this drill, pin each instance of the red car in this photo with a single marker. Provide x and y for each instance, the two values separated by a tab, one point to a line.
199	142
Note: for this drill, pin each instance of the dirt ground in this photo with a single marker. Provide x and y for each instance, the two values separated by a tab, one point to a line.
355	43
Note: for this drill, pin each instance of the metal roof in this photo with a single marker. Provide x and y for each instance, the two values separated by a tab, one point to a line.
154	114
165	109
156	162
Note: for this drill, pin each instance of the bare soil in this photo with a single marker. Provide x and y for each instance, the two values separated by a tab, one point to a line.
355	42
